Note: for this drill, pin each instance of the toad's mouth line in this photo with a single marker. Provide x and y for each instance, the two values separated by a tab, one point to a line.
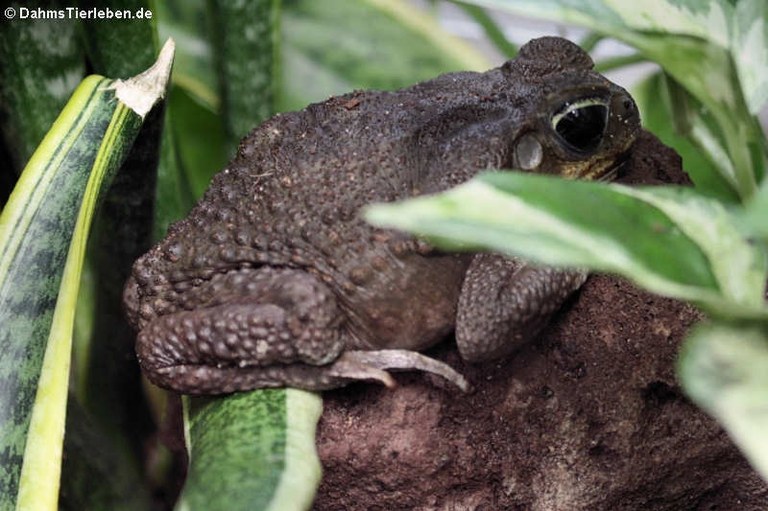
613	171
605	171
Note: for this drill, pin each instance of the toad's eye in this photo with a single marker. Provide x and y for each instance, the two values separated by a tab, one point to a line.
581	124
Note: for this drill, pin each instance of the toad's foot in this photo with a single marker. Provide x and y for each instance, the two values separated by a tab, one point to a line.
373	365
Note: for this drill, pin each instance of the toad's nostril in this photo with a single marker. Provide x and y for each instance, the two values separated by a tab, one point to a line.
625	108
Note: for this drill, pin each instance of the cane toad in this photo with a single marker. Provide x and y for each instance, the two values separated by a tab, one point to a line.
274	279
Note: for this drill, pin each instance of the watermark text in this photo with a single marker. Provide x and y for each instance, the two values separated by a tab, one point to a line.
76	13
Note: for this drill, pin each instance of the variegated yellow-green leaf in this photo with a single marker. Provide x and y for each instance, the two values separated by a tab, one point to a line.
44	229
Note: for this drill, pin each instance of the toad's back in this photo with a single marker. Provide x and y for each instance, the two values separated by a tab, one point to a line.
293	194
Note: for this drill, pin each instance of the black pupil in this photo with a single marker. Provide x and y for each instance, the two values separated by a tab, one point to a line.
583	127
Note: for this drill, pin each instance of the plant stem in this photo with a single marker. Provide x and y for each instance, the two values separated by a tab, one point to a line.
612	63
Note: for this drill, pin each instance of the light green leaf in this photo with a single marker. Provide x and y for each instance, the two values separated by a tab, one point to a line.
723	369
671	241
707	19
739	268
755	214
749	48
253	450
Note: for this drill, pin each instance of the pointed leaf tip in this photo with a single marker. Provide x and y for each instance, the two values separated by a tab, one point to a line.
141	92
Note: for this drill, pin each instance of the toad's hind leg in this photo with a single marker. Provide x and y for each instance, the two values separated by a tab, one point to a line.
262	328
245	329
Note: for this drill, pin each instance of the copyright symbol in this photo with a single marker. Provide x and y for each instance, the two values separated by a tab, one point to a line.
10	13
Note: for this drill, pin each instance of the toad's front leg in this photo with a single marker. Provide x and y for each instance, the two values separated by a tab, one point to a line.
265	328
506	302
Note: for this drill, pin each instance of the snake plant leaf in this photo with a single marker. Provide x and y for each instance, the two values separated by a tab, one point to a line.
252	451
121	47
44	230
42	63
669	240
722	368
245	48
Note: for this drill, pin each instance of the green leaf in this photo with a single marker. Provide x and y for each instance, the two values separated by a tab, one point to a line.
252	451
174	196
186	22
491	29
656	110
120	47
723	369
750	51
44	230
200	145
670	240
593	14
334	46
195	144
755	214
